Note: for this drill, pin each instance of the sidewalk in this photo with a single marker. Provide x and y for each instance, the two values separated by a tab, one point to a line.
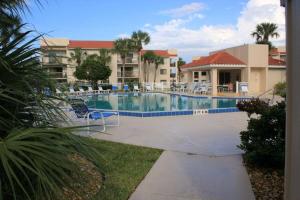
201	159
179	176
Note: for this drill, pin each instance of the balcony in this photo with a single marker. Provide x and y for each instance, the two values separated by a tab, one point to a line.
173	64
130	74
128	61
54	60
57	75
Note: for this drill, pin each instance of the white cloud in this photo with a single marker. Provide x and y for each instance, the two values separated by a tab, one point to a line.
199	41
123	35
184	10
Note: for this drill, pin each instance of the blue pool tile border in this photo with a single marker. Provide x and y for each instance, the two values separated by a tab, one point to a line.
175	113
222	110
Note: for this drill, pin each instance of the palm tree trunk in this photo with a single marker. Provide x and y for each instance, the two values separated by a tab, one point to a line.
139	65
156	67
145	71
148	71
123	72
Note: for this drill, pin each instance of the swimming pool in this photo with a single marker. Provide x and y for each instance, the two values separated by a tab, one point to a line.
160	104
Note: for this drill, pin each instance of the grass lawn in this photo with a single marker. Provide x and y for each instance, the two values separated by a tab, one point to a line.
124	168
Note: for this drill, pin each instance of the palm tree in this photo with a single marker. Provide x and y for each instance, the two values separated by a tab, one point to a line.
9	28
77	56
104	56
140	38
180	62
34	150
264	31
158	60
148	58
123	47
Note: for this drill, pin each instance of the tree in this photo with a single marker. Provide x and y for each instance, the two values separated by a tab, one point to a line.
9	28
264	31
140	38
93	70
104	56
34	149
158	60
180	62
35	152
123	47
148	58
78	56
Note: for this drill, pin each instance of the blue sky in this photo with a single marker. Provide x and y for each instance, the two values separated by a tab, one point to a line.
192	27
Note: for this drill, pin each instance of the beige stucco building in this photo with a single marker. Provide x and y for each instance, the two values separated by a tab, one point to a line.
56	54
251	63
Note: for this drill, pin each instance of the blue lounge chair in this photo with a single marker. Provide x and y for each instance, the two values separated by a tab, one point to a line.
114	88
83	112
126	88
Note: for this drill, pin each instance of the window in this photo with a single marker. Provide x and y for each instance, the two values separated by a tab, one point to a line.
224	78
173	62
130	55
163	81
163	71
196	81
196	74
203	73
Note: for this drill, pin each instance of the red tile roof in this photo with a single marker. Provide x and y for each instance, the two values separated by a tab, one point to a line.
222	58
275	51
273	61
88	44
162	53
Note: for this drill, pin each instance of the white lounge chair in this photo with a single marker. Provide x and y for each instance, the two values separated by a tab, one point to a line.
182	88
148	88
100	90
202	89
81	91
72	91
91	91
136	88
58	92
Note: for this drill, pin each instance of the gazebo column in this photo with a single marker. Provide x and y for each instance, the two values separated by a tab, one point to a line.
214	81
292	168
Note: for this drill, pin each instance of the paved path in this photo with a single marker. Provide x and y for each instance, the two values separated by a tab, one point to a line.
201	161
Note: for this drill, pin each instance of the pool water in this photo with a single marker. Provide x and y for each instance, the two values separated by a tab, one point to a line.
151	102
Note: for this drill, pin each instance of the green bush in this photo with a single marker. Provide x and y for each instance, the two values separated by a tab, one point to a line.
106	86
131	84
280	89
264	139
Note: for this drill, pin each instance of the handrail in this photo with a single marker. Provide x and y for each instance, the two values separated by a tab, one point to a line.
265	92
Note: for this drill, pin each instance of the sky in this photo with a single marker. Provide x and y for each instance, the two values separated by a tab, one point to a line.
192	27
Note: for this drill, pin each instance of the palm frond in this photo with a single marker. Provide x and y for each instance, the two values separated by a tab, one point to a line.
42	157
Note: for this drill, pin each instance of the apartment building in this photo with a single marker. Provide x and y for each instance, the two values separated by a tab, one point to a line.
56	58
251	63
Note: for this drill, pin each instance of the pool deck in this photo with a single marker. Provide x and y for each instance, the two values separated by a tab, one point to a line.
201	160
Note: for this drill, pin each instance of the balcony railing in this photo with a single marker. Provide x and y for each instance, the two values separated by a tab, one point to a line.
128	61
56	75
54	60
129	74
172	64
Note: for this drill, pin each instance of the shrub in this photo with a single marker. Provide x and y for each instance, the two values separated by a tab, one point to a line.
280	89
264	139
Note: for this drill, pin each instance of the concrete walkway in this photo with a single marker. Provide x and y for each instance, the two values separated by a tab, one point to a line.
201	161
